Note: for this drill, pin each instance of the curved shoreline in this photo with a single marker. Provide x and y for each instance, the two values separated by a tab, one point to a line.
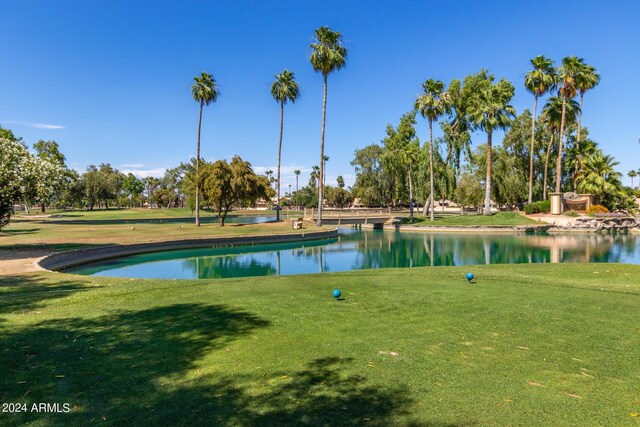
479	229
61	260
484	229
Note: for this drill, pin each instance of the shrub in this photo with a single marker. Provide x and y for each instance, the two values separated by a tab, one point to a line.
543	206
596	209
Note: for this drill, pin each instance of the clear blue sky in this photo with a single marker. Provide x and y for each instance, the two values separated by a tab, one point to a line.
115	76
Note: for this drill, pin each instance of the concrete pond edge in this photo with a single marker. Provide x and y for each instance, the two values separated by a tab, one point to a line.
61	260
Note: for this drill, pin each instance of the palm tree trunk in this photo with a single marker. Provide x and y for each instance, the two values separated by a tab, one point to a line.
198	168
559	161
487	191
432	207
427	205
580	118
533	133
279	157
320	188
578	159
410	197
546	168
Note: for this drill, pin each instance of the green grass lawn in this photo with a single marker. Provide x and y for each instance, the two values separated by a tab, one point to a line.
524	345
498	218
71	230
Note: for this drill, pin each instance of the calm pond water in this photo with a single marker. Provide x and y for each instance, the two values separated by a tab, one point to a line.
356	250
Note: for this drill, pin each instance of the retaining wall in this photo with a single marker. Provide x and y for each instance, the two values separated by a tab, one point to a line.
61	260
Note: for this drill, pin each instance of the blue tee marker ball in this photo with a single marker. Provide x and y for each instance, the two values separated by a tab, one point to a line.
336	293
470	276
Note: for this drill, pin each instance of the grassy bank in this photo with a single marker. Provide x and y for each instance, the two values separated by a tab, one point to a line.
496	219
524	345
70	230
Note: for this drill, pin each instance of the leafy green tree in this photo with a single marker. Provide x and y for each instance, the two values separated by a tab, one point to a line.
227	184
490	109
468	192
328	55
432	103
540	80
132	186
517	147
373	184
284	89
338	197
49	150
101	185
7	134
204	91
306	196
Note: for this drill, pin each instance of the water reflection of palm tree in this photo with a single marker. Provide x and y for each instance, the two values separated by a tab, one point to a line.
487	251
228	266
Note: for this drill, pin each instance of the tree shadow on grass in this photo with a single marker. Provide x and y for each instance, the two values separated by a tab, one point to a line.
137	368
318	395
15	231
23	293
31	250
113	365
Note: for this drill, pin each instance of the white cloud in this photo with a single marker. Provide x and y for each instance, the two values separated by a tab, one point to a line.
143	173
34	125
46	126
132	165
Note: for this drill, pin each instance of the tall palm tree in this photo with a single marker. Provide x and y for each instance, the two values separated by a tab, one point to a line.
328	55
538	81
205	91
284	89
432	103
551	118
409	155
632	174
567	75
297	174
490	110
586	79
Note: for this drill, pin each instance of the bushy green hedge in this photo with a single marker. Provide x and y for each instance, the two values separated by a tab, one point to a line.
538	207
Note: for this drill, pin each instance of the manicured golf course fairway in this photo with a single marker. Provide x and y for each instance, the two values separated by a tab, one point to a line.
546	344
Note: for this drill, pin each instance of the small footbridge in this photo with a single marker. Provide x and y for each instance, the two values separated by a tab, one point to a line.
355	217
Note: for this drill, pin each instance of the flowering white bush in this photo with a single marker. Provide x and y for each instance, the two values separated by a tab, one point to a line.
43	180
18	169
